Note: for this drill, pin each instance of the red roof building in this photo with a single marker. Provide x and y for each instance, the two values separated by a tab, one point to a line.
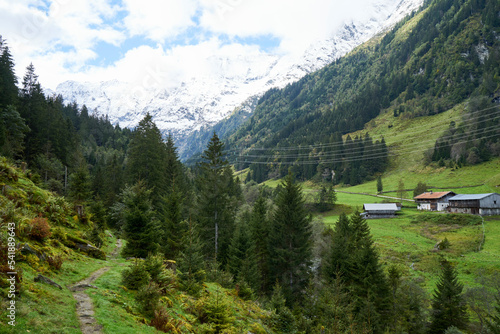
434	201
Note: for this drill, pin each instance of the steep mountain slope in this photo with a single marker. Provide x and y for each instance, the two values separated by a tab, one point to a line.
427	64
205	100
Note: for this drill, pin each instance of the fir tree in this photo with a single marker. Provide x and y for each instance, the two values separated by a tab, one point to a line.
12	132
448	307
370	286
79	184
8	79
216	208
290	241
146	158
338	263
173	228
380	187
259	228
191	272
242	262
138	215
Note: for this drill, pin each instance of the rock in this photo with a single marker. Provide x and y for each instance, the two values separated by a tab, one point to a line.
91	250
46	280
26	248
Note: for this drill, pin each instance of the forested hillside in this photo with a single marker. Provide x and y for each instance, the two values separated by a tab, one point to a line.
445	54
205	251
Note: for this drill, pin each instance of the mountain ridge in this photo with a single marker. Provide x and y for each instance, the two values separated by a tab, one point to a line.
204	101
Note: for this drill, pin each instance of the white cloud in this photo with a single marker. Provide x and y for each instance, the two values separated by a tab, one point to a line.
60	38
159	19
296	23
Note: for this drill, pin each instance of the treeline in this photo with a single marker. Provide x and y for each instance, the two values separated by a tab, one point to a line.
350	161
428	63
475	139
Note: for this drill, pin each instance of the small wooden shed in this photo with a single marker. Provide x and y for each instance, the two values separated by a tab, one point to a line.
380	210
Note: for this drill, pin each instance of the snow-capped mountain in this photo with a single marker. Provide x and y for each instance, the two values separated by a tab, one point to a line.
208	98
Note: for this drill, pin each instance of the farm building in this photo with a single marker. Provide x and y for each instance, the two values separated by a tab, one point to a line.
380	210
482	204
434	201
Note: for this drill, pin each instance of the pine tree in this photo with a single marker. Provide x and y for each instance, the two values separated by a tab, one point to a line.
191	259
173	228
370	286
242	262
338	264
380	187
146	158
290	241
139	227
8	79
12	132
79	184
448	306
259	228
216	209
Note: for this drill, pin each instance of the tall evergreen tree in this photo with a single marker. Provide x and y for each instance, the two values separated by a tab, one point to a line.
172	226
8	79
380	186
290	241
338	263
12	132
139	228
242	262
146	158
191	272
370	286
216	208
259	228
448	306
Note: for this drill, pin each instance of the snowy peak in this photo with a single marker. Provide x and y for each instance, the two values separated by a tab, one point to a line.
211	96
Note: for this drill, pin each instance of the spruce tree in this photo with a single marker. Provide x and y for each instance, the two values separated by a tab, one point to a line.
290	241
242	262
172	226
448	306
259	228
139	228
8	79
191	260
338	263
216	203
146	158
380	187
369	286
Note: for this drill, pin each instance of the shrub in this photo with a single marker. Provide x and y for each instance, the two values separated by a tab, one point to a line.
40	229
164	322
215	311
55	262
148	298
135	276
154	266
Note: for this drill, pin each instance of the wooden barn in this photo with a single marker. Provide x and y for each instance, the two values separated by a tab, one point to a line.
477	204
380	210
434	201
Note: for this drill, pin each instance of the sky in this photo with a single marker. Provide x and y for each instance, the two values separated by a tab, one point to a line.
164	40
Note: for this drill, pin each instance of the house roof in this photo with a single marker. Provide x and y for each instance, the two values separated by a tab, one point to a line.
469	197
380	207
433	195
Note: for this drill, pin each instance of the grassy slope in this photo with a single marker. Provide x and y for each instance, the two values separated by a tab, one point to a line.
41	308
408	244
